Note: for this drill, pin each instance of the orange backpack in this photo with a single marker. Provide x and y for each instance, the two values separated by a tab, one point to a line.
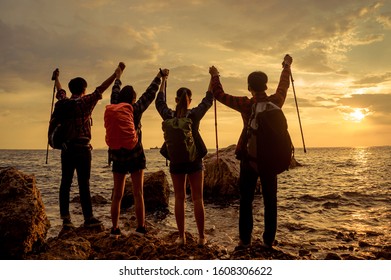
120	128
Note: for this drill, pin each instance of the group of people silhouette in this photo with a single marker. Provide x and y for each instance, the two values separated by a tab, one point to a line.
76	154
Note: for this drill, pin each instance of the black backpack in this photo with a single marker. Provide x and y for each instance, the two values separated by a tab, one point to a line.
269	145
62	126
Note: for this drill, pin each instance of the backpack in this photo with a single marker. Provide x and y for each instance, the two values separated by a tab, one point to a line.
179	146
62	126
269	145
120	129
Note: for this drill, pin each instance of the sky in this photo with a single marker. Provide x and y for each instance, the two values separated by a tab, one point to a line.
341	62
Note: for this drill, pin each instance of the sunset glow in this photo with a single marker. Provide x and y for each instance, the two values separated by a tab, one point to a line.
358	114
340	49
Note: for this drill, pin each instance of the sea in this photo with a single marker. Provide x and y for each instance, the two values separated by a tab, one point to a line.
339	200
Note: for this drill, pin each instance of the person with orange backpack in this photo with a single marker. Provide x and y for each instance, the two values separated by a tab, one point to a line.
123	136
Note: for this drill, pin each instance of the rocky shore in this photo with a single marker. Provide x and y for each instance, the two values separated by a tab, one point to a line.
96	244
24	226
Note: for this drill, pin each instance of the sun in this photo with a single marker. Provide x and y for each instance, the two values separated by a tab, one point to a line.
358	114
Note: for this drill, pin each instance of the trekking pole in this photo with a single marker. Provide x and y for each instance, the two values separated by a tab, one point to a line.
297	109
217	140
51	112
165	96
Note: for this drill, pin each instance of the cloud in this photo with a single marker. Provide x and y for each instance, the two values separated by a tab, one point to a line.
338	47
373	80
377	102
376	106
385	20
318	33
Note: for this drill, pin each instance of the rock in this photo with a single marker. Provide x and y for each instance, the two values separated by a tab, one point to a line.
156	192
73	248
294	163
23	220
258	251
222	175
84	244
384	253
363	244
332	256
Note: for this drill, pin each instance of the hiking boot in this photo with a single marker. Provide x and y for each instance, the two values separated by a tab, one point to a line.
67	223
267	245
92	222
141	231
242	246
115	232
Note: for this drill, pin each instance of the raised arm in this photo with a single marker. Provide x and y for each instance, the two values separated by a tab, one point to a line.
117	86
279	97
161	102
199	111
149	95
61	93
110	80
235	102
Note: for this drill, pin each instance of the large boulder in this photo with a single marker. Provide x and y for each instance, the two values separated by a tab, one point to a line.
23	220
156	191
222	174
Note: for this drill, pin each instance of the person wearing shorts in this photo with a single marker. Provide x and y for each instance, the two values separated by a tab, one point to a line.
192	170
131	161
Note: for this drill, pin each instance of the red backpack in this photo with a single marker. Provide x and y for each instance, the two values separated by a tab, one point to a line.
120	128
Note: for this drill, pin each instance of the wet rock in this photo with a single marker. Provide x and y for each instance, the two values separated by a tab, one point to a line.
23	220
222	174
156	191
294	163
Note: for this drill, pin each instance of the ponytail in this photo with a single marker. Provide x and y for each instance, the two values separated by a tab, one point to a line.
181	107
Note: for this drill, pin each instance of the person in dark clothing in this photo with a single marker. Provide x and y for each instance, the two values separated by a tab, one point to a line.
76	154
257	85
192	170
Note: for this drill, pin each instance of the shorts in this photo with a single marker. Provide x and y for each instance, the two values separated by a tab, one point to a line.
187	167
127	161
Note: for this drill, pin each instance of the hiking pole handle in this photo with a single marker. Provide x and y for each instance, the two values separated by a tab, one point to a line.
54	74
297	109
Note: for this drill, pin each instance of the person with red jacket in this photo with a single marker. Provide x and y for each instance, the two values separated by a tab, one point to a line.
76	152
257	86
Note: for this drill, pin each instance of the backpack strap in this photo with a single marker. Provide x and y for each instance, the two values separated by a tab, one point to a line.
271	104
